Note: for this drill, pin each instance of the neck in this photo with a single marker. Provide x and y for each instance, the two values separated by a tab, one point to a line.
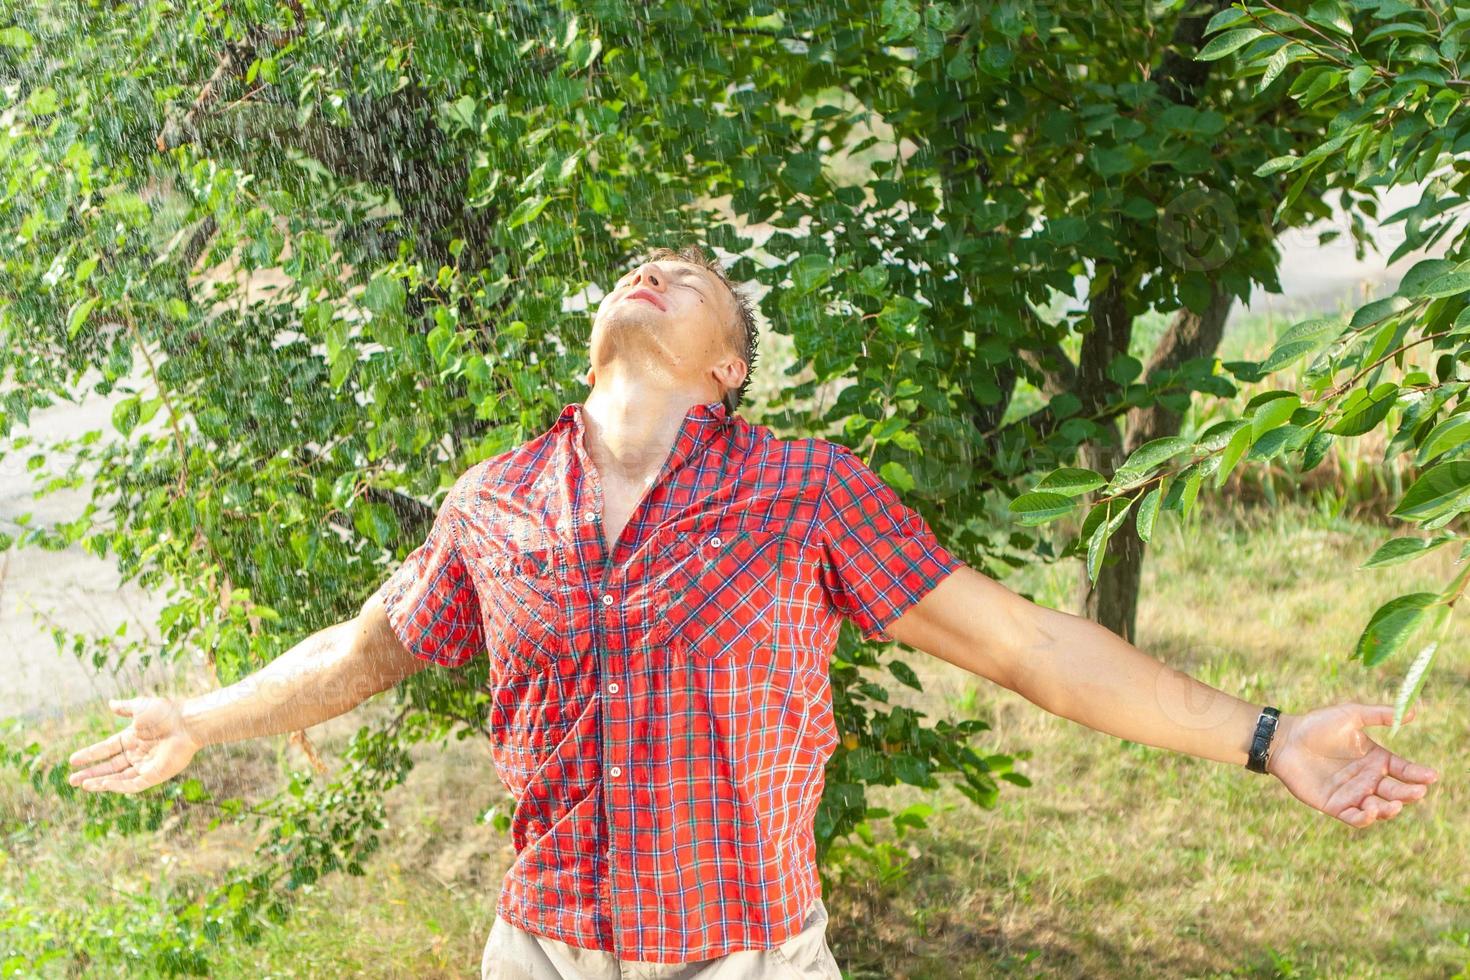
631	428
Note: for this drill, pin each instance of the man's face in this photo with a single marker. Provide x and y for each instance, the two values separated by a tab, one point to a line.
671	318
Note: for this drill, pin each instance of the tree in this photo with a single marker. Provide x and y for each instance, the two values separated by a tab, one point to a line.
1025	148
431	187
1392	74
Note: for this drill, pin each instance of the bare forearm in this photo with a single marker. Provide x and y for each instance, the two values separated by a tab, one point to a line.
1077	669
321	677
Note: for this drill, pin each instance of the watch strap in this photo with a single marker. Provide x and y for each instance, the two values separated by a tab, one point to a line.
1260	751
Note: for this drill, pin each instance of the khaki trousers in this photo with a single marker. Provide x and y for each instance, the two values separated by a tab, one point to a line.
512	953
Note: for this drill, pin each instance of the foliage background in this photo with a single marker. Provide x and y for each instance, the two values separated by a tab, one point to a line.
336	253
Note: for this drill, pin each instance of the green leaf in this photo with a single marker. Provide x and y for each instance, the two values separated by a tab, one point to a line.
376	522
1316	450
1442	489
43	101
78	316
1276	165
904	673
84	271
1040	507
1452	433
384	296
1396	551
1148	456
1235	449
809	273
1278	62
1421	274
1274	442
527	210
1390	627
1071	480
1449	285
872	279
1191	491
1330	14
1148	512
16	37
895	473
1228	17
125	415
1379	310
1097	545
1412	684
1362	410
1230	41
1358	77
1398	28
1301	339
1273	413
901	18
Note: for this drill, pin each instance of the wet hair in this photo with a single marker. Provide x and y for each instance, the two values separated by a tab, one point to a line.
744	332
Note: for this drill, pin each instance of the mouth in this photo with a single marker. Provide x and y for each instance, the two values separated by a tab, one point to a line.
645	295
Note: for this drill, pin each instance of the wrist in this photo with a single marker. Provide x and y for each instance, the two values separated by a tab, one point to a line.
1265	731
195	720
1285	726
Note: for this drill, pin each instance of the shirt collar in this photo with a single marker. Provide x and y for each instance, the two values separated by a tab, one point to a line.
702	422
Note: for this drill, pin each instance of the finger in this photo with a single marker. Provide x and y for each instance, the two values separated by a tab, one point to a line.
115	784
1390	788
1381	809
97	751
116	764
1410	772
1382	714
1355	817
122	707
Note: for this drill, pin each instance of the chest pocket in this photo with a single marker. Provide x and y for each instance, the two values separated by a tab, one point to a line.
720	596
526	616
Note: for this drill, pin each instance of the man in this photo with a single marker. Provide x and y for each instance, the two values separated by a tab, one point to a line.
658	585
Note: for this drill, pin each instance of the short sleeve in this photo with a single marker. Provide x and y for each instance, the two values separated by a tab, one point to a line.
878	555
431	600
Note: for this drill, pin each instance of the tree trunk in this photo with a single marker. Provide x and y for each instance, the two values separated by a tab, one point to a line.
1113	599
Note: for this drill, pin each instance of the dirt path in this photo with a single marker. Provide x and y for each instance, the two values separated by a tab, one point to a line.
70	587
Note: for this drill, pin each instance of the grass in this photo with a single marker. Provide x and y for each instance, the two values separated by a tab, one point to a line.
1122	860
1126	860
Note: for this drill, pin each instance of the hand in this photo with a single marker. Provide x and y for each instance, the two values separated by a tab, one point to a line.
1328	763
155	747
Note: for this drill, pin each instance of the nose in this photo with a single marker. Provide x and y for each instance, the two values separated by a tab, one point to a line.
648	276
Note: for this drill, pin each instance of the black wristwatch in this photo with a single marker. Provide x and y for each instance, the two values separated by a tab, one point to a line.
1260	751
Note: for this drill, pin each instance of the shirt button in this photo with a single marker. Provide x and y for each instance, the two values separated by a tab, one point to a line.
612	688
607	599
714	542
589	516
615	771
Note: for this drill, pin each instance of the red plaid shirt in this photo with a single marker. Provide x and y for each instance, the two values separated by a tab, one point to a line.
661	715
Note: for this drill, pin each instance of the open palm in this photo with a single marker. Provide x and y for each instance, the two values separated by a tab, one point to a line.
155	747
1329	763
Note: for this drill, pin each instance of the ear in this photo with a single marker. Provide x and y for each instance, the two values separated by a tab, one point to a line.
591	376
730	372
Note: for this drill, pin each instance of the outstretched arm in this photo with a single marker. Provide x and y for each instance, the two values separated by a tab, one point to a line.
1077	669
325	675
